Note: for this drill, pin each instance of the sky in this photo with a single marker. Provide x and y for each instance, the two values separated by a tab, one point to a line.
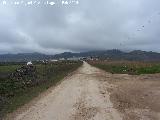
82	25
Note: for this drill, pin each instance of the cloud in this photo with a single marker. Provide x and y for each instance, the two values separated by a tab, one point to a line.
91	25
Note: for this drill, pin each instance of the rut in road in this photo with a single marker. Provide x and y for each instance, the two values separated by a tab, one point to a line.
79	97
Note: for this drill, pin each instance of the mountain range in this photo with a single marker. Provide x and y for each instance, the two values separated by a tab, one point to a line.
103	54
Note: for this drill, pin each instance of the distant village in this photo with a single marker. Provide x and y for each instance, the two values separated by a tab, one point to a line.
64	59
71	59
76	58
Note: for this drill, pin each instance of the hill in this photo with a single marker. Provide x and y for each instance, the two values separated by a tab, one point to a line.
23	57
104	54
115	55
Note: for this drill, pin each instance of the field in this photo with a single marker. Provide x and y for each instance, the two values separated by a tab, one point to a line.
136	95
19	84
128	67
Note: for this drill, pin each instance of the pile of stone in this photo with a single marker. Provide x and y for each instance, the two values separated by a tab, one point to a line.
26	75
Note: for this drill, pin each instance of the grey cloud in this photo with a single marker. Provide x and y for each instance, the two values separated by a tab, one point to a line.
91	25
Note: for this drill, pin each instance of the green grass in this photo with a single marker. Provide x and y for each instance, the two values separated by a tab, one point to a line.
135	68
8	68
149	70
47	76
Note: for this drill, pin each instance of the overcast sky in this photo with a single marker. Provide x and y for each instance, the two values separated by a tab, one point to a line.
90	25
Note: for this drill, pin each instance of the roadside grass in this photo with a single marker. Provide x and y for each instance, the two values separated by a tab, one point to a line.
128	67
47	75
29	93
8	68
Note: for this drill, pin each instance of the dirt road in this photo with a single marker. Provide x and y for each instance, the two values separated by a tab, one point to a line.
80	96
